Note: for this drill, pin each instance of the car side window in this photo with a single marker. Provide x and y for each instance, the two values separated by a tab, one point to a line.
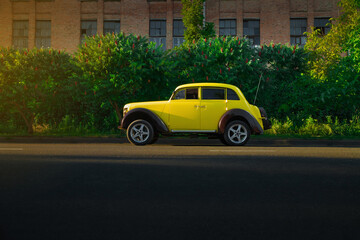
232	95
189	93
192	93
179	95
213	93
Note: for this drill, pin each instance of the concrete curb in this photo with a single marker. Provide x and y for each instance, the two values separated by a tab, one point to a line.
266	142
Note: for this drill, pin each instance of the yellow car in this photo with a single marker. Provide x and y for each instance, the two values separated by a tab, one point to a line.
215	109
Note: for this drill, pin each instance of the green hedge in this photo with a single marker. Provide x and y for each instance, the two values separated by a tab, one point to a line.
50	89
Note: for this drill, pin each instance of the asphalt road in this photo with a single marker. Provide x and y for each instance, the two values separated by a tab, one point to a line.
178	190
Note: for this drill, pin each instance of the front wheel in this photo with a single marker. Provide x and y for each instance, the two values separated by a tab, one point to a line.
140	132
237	133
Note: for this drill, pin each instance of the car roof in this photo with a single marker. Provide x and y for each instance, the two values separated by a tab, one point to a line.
207	84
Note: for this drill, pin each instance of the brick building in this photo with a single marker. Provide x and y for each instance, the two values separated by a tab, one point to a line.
61	24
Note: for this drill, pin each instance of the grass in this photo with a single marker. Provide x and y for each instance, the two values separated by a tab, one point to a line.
309	128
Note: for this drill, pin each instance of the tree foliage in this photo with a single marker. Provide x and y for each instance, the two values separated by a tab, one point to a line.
233	60
326	51
116	69
193	18
35	84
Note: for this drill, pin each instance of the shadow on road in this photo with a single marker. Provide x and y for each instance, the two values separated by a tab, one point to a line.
202	197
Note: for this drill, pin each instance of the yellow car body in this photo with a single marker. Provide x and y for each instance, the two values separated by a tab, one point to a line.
198	108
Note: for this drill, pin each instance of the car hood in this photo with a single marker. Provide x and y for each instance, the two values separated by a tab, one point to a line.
155	106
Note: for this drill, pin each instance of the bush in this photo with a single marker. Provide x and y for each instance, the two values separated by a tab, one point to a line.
316	128
117	69
34	84
234	61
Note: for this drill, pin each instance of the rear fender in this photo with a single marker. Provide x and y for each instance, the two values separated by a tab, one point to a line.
239	114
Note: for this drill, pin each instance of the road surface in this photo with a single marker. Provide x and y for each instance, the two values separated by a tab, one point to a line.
178	190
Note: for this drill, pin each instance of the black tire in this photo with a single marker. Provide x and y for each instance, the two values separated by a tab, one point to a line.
222	140
155	138
237	133
140	132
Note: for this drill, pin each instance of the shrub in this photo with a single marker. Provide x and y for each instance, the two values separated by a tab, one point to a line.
234	61
34	83
116	69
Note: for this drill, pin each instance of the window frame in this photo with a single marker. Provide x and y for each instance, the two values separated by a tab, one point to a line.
111	21
42	37
225	20
255	36
323	29
82	36
178	39
159	39
298	36
24	37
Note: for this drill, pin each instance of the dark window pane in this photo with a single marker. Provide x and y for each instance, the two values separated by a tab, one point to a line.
178	28
323	24
213	93
231	95
157	32
177	41
111	26
43	34
159	41
157	28
88	28
297	29
20	33
256	40
192	93
227	27
252	31
180	95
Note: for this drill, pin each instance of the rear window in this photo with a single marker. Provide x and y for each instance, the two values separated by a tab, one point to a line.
231	95
213	93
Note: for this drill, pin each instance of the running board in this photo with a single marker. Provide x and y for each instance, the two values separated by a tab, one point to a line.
193	131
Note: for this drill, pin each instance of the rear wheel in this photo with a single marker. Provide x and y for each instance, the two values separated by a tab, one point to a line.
140	132
237	133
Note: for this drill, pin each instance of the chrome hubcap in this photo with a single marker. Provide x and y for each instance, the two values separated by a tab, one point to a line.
140	133
237	133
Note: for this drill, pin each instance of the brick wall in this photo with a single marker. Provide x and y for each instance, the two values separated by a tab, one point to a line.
5	23
134	16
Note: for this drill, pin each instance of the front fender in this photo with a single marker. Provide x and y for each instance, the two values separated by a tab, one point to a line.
145	114
241	115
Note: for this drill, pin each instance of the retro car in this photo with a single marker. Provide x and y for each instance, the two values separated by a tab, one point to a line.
215	109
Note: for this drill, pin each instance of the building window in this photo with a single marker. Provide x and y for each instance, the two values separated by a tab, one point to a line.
158	32
43	34
323	24
178	32
227	27
111	26
252	31
88	28
297	28
20	34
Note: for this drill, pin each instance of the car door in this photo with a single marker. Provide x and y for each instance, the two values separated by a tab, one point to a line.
213	106
184	110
